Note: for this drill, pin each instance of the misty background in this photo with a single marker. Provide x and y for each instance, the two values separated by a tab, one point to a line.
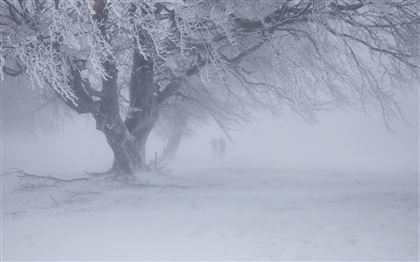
343	139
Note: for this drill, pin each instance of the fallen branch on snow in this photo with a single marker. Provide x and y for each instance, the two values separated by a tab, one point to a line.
31	181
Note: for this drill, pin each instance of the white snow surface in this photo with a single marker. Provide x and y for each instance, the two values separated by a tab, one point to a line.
223	212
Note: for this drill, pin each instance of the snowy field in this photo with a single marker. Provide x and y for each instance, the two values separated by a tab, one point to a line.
216	213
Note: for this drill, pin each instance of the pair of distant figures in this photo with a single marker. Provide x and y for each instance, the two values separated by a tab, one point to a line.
218	147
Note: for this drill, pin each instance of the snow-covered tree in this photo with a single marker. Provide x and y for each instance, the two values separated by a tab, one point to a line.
122	62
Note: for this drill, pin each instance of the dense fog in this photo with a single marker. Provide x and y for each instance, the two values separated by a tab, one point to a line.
340	140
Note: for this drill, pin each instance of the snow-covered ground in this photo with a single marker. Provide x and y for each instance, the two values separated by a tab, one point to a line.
217	213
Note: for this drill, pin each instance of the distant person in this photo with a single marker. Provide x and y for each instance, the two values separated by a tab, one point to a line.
214	147
222	147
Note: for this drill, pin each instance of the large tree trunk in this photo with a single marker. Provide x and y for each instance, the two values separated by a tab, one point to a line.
127	158
128	138
140	126
144	110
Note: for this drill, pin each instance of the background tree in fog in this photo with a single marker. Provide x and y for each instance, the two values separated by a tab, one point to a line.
124	62
192	107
